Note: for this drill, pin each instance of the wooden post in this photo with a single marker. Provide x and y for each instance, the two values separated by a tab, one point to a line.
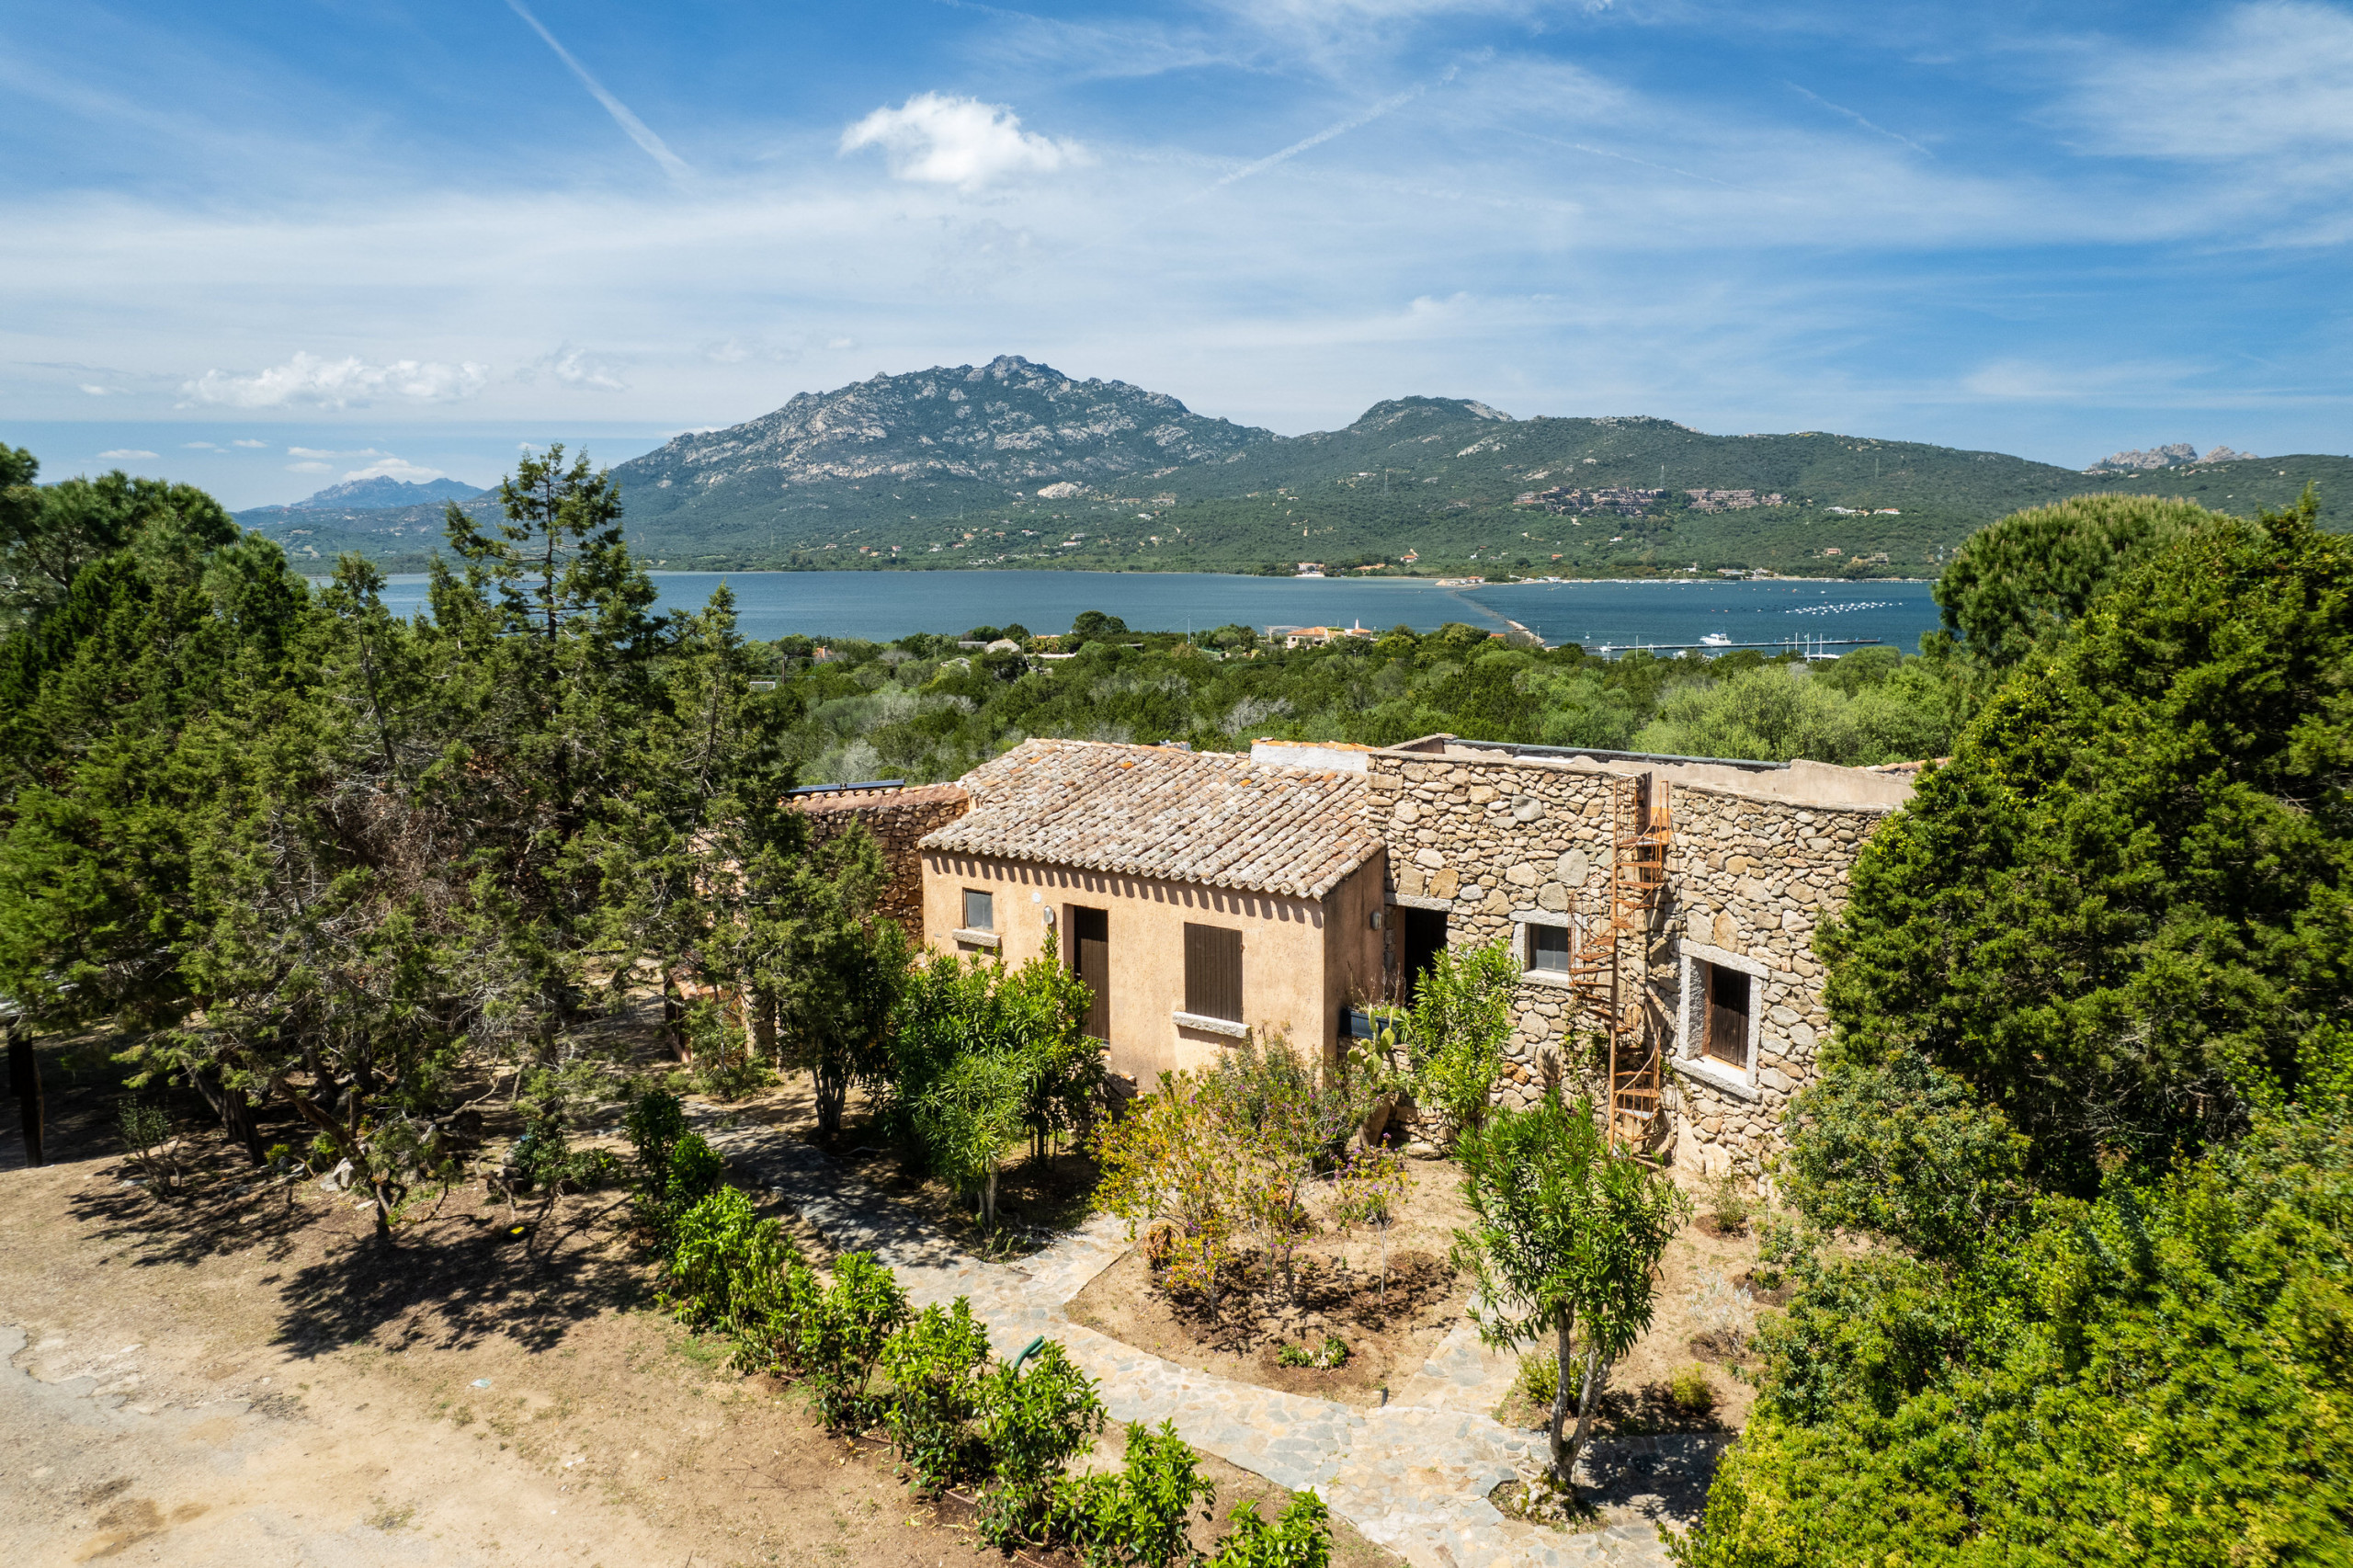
23	1081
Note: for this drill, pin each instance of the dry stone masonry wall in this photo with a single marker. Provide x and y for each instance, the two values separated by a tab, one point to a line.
898	819
1497	843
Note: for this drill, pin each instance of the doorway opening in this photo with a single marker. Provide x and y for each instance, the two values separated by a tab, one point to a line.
1423	937
1090	960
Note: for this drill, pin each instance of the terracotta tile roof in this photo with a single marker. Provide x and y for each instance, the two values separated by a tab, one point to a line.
1187	817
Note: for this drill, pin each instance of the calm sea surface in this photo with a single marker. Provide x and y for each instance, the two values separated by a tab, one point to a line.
883	605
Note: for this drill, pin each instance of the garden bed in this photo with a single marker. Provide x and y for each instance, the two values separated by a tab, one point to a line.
1336	1293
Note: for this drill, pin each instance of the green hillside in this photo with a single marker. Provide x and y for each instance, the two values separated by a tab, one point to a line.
1030	469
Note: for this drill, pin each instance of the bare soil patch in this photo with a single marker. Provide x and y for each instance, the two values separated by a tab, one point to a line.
1639	1401
244	1375
1335	1291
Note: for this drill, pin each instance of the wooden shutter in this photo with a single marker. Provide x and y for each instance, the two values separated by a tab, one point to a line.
1213	972
1728	997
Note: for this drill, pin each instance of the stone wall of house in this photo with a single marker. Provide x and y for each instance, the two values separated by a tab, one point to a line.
1748	876
1754	878
898	818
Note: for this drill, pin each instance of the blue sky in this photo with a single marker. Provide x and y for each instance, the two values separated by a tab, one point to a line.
405	237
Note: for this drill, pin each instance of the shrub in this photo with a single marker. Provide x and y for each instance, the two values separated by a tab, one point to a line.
980	1055
1282	1119
1368	1189
1034	1425
655	1121
770	1313
726	1262
1333	1352
1301	1538
1721	1314
147	1133
1540	1377
936	1364
1728	1203
1137	1516
842	1331
1691	1391
1171	1158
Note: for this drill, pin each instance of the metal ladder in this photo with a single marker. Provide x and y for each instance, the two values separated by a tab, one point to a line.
1605	984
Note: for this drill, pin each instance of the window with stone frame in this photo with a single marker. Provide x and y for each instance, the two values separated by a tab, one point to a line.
1725	1008
1545	948
1724	1002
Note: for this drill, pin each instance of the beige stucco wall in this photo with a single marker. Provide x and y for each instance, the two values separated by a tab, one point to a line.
1302	959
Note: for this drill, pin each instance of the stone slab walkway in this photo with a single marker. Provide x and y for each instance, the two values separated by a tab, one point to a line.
1413	1475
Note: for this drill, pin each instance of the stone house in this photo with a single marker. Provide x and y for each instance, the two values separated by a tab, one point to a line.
1526	843
1203	896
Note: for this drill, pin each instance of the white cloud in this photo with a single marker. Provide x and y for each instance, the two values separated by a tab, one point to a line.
339	383
572	367
309	468
395	467
2265	81
249	443
123	454
937	140
199	447
97	390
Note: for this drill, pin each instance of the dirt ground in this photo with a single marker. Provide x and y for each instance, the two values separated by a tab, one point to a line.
243	1376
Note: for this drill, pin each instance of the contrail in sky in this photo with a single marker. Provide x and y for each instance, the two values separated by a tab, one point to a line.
636	129
1296	148
1858	120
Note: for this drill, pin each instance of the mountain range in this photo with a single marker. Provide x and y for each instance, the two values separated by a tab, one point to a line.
380	493
1013	464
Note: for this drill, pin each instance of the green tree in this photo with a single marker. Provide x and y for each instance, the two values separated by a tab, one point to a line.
2119	914
2019	584
1564	1239
1782	711
981	1054
1461	1020
2156	1375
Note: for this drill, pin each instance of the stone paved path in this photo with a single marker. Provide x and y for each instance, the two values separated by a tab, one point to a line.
1413	1475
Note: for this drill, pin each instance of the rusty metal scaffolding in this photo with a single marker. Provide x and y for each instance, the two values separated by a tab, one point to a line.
1609	988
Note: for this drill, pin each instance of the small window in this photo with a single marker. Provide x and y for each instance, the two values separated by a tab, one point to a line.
1728	997
1548	949
1213	972
980	909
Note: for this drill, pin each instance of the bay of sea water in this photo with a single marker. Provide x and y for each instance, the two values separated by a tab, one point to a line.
879	606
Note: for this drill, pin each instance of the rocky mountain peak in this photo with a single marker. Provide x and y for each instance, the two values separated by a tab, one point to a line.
2177	455
1011	421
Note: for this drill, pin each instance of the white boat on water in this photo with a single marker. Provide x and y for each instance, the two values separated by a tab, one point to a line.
1715	640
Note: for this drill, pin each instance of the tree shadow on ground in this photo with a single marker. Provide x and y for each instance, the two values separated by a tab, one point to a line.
470	1273
468	1276
1253	1300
